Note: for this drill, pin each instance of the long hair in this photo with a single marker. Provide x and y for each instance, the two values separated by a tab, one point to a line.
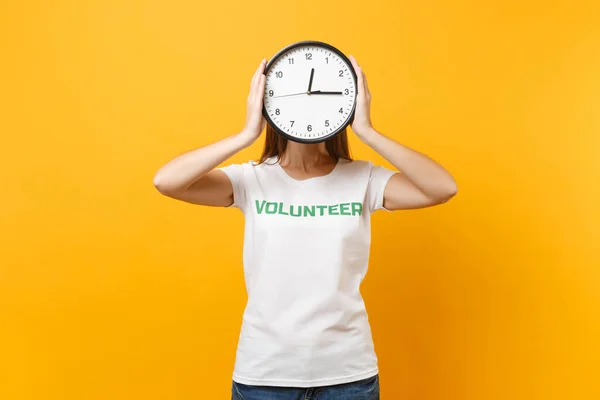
275	145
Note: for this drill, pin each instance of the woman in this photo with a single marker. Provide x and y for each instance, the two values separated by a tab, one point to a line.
305	332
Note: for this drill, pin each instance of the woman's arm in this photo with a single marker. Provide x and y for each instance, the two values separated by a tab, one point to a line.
423	182
192	177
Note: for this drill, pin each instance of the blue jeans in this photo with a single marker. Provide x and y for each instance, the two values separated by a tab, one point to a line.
364	389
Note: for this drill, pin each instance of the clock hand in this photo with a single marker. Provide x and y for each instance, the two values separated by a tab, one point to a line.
312	73
320	92
293	94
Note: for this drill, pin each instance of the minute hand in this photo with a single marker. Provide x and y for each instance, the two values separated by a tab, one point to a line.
321	92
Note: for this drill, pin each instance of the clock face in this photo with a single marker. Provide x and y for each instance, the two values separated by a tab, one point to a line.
310	92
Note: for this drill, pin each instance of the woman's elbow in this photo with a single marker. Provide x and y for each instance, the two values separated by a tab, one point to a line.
162	184
449	192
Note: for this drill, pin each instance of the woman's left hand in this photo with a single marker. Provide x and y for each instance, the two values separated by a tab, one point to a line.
362	114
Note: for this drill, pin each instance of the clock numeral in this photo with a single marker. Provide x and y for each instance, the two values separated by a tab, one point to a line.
346	91
308	56
341	73
291	60
279	74
277	111
270	93
292	123
342	110
326	60
309	128
326	122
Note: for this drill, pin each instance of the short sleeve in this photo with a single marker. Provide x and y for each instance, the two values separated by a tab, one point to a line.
235	173
378	179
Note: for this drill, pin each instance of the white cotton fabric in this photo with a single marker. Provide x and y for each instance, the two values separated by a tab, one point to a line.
306	252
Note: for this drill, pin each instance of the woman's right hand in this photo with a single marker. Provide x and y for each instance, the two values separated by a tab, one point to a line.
255	121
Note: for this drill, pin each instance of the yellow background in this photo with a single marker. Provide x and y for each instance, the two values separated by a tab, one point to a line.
110	291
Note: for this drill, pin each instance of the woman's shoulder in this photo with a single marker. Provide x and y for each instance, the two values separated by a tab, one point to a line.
252	164
356	164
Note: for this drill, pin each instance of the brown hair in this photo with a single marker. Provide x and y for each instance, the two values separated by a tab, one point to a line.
275	145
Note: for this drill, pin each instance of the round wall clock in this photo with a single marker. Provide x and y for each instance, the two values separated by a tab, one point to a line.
310	92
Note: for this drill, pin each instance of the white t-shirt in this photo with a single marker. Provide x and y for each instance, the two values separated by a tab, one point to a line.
306	252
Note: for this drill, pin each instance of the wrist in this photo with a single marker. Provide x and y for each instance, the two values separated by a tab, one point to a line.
367	135
244	139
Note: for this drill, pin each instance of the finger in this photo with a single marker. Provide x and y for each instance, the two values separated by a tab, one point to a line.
366	84
354	63
360	81
260	87
257	74
359	76
362	84
259	69
255	99
253	80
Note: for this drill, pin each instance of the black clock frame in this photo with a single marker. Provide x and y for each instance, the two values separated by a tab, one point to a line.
350	118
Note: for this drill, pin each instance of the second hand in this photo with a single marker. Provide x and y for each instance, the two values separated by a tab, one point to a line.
293	94
317	92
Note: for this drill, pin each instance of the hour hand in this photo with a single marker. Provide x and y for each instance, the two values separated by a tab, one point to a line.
312	73
322	92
